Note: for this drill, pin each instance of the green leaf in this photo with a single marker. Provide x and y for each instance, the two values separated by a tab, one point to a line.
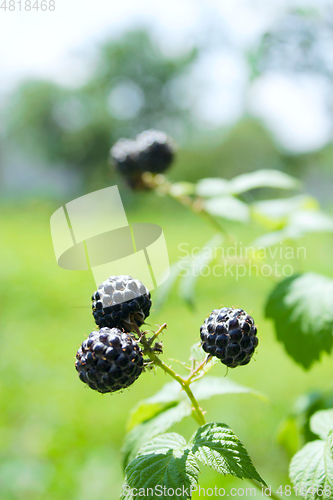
212	187
288	435
213	386
126	492
263	178
307	405
330	442
321	423
140	434
260	178
303	222
228	207
196	264
269	239
302	309
277	212
147	409
188	270
311	470
169	393
155	415
217	446
164	462
164	443
197	353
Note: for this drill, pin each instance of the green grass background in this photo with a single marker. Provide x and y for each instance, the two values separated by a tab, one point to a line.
61	441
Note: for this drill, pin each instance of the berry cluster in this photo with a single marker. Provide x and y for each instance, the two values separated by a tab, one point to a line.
230	335
121	301
109	360
151	151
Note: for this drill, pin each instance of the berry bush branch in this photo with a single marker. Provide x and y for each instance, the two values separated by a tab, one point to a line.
162	186
157	333
185	384
198	412
111	358
192	377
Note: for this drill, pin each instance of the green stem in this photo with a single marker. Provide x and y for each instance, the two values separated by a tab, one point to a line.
183	383
206	215
156	334
188	202
189	379
165	187
198	411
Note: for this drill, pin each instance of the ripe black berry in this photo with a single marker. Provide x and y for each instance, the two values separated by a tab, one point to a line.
151	151
125	155
155	151
106	365
230	335
121	302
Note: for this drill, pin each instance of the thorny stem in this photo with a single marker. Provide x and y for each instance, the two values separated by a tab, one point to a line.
183	383
157	333
190	378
